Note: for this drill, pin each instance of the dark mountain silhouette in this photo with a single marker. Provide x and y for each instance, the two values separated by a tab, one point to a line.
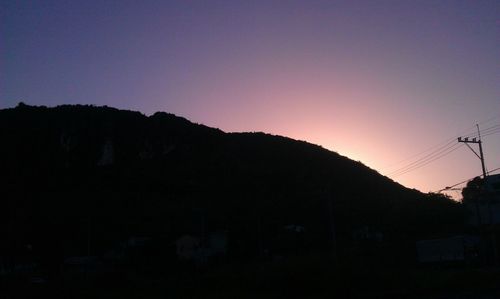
73	171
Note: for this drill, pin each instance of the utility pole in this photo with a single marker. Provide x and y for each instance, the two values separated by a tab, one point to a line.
481	157
478	141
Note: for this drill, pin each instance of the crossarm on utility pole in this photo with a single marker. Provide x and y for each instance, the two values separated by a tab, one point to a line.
478	141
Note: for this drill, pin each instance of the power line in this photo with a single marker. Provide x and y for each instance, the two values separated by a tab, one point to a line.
452	186
492	133
427	160
484	132
421	153
449	144
432	149
489	120
440	151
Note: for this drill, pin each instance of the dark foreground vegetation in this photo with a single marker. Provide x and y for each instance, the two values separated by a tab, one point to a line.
103	203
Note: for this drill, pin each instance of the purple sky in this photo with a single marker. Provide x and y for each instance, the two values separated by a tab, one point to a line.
377	81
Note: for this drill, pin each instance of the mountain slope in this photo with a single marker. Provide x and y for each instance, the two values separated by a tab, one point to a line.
127	174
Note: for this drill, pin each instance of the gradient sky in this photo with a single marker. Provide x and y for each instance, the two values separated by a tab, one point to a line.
377	81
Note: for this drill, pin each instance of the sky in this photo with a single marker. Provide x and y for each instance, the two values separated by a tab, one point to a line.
388	83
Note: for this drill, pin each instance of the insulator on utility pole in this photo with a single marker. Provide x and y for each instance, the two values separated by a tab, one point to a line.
479	142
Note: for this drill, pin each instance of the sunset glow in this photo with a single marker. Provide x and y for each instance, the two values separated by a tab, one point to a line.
376	81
